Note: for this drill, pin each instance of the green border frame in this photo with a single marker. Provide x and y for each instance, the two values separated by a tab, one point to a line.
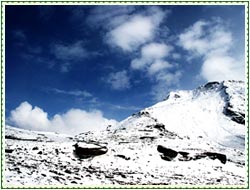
125	2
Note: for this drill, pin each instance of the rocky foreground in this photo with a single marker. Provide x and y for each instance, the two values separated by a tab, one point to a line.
191	138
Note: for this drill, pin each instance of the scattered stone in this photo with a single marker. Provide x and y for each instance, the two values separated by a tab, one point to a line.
159	126
35	148
68	171
40	152
9	150
122	156
148	137
57	151
77	178
218	180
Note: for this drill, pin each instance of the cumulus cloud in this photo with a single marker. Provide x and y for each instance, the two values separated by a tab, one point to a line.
157	66
128	29
74	121
222	67
30	118
152	56
129	35
119	80
138	30
212	41
153	61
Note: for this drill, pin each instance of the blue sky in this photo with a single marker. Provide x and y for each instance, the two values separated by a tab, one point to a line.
67	65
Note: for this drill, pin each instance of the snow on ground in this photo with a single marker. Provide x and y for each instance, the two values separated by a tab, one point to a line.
192	122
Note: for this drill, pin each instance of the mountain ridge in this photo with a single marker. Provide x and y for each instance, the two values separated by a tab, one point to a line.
194	137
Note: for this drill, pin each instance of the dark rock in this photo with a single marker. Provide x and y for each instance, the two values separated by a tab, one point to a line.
35	148
235	116
58	178
40	152
167	151
9	150
148	137
57	151
141	113
213	156
167	158
183	153
68	171
160	126
56	172
211	85
122	156
82	152
17	170
168	154
144	113
109	176
199	156
177	96
77	178
218	180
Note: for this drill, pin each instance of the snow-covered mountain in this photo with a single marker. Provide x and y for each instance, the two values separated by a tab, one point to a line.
191	138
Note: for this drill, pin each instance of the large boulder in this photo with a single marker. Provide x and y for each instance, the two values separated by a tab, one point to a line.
167	153
213	156
84	150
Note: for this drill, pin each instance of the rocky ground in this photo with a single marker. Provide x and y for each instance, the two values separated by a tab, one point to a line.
185	140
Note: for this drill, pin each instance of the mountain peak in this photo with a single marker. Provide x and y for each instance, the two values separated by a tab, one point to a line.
192	137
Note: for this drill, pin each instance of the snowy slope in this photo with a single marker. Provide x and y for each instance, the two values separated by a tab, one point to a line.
204	130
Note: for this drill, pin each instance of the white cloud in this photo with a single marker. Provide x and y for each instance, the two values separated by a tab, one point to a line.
132	31
212	41
82	93
205	37
119	80
74	121
222	68
129	35
155	51
30	118
169	78
157	66
152	54
127	27
69	52
153	61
